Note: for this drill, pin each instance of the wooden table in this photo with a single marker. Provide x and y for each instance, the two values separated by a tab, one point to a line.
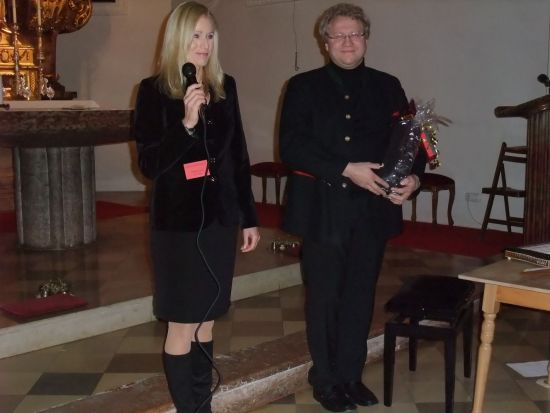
504	283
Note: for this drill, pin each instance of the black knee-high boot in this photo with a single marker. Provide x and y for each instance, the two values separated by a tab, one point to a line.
178	375
201	368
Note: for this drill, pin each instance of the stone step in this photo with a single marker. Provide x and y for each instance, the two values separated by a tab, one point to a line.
252	377
52	331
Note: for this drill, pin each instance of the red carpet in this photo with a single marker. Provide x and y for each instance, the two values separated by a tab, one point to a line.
34	307
421	235
104	210
455	240
425	236
269	215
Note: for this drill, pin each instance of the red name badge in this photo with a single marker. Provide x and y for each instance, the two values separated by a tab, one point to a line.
196	169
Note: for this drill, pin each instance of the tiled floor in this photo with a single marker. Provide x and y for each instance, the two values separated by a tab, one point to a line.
41	379
37	380
522	335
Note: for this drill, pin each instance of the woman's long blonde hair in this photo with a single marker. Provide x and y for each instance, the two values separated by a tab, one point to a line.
178	36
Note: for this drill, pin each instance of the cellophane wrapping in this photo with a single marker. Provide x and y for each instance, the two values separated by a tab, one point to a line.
408	135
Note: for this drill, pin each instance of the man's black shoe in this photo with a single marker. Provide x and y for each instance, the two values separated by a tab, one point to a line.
332	398
359	394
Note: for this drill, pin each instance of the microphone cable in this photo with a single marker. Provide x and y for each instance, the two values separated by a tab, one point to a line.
207	265
189	72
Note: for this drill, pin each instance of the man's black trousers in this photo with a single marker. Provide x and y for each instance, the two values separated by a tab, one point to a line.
340	289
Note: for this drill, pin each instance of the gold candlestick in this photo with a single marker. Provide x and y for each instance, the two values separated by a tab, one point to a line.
38	12
16	72
14	12
42	82
2	13
16	85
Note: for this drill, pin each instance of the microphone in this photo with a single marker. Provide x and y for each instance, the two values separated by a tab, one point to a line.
189	73
542	78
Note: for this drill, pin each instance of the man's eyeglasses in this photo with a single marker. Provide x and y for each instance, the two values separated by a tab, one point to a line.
341	37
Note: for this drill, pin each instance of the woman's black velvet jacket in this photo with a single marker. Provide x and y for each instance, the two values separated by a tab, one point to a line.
164	146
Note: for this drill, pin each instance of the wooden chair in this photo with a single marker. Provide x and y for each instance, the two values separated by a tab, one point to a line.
434	183
270	215
265	170
446	300
514	154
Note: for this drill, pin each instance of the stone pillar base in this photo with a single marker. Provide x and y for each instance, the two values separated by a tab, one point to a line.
55	197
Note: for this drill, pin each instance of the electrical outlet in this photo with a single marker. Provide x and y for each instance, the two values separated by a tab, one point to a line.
473	197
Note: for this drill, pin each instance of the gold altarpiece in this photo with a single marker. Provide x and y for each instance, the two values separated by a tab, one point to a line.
36	49
36	45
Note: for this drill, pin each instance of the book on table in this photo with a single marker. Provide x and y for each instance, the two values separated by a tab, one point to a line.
537	254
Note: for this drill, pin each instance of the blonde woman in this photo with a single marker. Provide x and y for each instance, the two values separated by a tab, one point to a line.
191	143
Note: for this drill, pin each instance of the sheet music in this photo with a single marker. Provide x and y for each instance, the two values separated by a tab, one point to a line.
542	248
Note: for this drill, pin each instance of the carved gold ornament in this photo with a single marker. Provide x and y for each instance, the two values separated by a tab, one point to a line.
29	48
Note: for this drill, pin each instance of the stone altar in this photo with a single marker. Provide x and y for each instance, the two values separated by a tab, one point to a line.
53	153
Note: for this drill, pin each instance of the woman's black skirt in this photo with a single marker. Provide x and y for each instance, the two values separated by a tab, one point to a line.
185	288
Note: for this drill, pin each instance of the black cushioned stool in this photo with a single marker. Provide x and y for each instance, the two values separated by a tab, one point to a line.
436	298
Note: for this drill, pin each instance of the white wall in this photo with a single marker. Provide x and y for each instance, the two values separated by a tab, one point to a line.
104	61
470	55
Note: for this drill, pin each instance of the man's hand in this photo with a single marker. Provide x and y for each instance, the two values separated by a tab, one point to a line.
409	184
362	174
